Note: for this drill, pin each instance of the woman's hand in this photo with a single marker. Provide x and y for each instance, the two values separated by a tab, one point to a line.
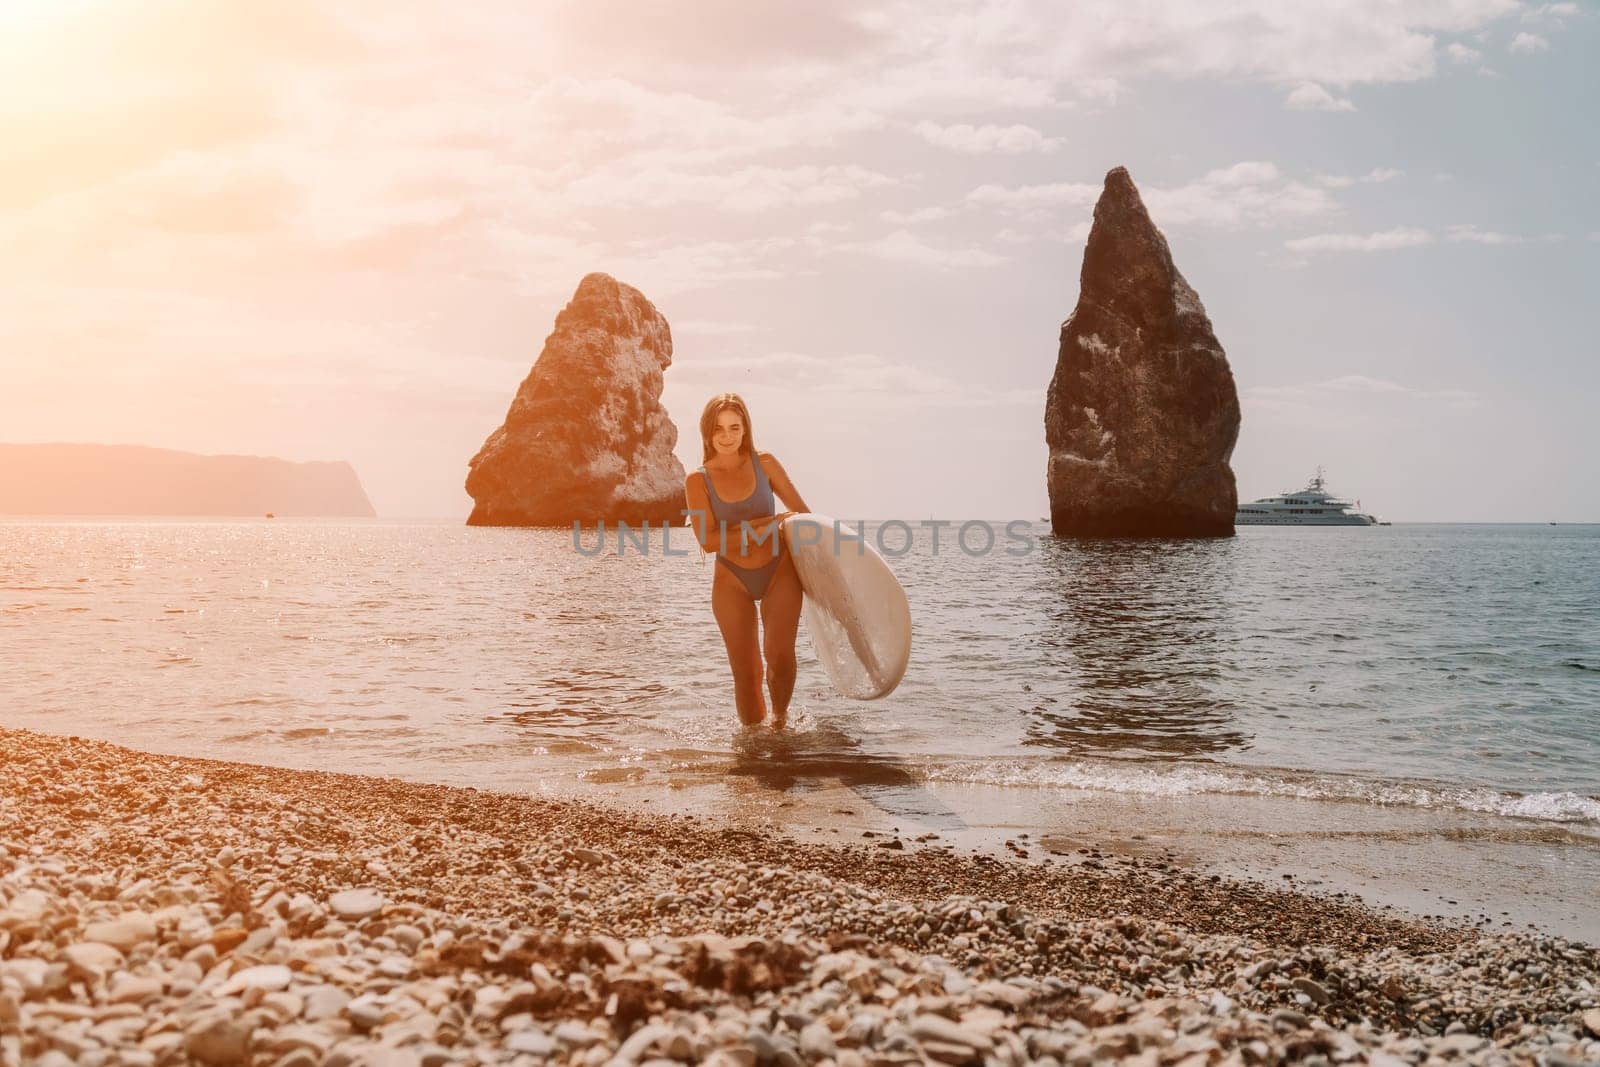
761	532
763	524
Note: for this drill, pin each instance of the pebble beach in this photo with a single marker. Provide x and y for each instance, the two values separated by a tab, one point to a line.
165	910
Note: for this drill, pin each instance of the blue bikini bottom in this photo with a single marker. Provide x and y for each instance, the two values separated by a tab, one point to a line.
755	579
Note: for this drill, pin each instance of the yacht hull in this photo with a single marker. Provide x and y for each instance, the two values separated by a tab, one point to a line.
1304	520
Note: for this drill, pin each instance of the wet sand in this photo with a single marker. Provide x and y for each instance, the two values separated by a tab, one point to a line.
1489	871
159	909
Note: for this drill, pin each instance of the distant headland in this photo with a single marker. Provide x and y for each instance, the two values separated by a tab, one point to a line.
79	479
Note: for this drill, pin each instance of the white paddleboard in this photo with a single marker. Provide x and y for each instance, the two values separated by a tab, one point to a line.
855	610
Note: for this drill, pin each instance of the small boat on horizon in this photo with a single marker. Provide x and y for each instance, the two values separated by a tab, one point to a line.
1311	506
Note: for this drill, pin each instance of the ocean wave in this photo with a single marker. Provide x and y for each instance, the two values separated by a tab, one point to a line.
1179	781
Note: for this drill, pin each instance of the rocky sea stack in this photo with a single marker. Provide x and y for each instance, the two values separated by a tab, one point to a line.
586	439
1142	414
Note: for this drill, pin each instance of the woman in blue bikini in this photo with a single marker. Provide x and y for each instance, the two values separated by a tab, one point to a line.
732	490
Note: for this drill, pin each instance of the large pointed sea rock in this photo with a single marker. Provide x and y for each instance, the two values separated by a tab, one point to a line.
586	439
1142	414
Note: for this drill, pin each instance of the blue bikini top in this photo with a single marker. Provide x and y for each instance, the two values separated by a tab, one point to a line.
757	505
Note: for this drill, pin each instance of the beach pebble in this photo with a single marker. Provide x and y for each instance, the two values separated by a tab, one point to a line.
927	1028
531	1040
575	1035
385	1056
323	1002
817	1041
311	1039
406	936
125	933
28	906
133	989
353	905
266	977
1312	990
221	1039
298	1057
93	958
365	1011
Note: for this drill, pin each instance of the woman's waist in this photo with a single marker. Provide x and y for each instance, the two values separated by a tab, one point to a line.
752	526
748	546
749	563
751	553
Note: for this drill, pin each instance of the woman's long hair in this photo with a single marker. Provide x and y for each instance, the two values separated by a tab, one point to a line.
708	422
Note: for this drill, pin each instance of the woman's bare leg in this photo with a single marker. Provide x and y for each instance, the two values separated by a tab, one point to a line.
736	618
780	622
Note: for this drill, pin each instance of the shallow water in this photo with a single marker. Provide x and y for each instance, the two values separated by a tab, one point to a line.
1453	667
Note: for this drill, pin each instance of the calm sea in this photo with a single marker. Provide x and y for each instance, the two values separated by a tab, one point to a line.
1433	666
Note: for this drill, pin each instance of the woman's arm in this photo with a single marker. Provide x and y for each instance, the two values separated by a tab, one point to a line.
700	517
781	483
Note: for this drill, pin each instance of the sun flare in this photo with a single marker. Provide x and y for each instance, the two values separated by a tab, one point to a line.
21	14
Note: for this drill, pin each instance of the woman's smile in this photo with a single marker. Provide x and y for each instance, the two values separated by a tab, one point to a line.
730	433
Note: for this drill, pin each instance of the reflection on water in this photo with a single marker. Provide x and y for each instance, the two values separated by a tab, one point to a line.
822	756
810	759
593	705
1143	629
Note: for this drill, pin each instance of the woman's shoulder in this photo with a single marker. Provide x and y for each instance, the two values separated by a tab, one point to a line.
769	461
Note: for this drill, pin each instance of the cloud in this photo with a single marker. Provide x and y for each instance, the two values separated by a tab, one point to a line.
1460	53
1375	176
721	34
942	57
867	379
1381	241
1549	11
1528	43
1075	234
1027	199
1248	194
748	189
1309	96
669	267
1078	48
987	140
1252	193
596	119
713	328
189	194
254	344
1476	235
916	215
1353	393
903	246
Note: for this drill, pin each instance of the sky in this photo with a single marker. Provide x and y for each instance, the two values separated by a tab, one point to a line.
339	231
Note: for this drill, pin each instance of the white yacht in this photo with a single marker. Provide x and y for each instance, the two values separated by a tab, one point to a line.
1311	506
